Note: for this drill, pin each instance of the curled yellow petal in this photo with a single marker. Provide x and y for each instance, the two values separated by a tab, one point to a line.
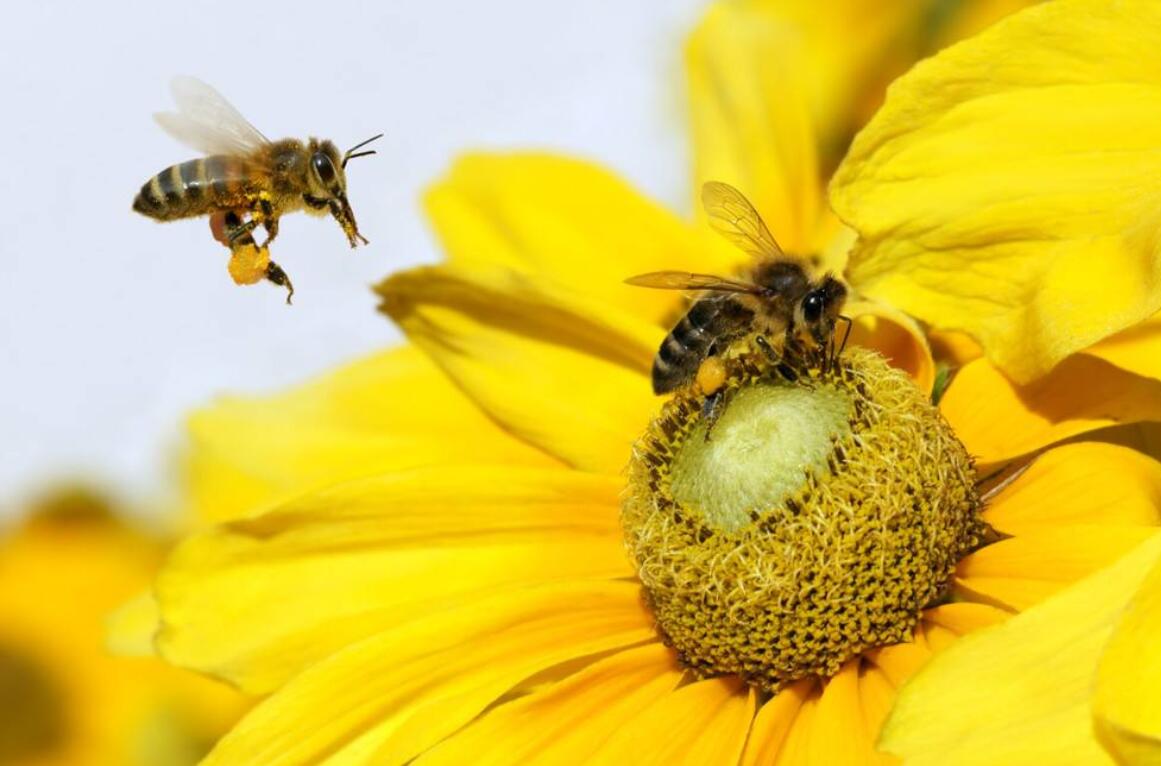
1019	693
894	335
997	419
1126	705
1009	186
386	412
562	373
1137	349
1082	483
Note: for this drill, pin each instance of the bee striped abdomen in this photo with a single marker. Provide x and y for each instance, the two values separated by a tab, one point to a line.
709	320
192	188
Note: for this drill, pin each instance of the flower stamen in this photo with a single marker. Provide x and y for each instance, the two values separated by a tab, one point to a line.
827	507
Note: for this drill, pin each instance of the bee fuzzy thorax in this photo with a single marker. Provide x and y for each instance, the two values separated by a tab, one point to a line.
781	300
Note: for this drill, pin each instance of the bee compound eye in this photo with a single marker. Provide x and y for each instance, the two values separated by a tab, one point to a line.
324	168
812	307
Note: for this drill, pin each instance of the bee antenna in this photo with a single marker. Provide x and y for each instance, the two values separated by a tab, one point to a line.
352	154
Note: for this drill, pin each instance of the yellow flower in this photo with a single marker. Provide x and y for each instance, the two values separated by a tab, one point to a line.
421	556
63	698
1072	681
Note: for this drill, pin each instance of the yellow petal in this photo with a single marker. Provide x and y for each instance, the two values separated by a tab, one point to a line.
952	348
795	750
876	695
1019	693
1012	195
751	125
998	420
569	720
256	600
386	412
129	630
971	18
571	224
703	722
900	661
774	720
839	733
830	726
388	698
1083	483
64	699
1125	705
1023	570
1137	349
564	374
894	335
963	618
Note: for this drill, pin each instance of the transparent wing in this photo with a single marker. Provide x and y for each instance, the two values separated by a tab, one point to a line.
732	216
685	280
206	121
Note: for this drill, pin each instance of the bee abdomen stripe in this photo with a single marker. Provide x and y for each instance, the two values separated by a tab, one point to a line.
193	179
701	314
687	329
222	172
169	185
146	202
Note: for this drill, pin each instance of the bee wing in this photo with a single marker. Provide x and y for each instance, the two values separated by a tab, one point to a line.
206	121
732	216
685	280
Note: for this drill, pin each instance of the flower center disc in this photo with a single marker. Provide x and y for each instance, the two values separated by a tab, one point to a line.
828	505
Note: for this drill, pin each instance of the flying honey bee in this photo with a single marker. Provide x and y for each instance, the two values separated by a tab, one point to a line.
246	180
781	300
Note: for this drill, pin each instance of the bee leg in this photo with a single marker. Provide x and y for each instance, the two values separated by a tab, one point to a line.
761	342
240	234
275	274
270	223
712	409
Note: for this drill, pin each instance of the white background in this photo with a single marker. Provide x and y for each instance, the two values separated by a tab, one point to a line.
114	326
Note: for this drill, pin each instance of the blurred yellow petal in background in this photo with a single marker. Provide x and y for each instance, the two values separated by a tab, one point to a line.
64	699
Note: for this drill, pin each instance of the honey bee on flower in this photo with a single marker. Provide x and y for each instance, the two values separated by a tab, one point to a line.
246	180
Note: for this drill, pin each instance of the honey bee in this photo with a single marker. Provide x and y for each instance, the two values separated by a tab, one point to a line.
780	300
246	180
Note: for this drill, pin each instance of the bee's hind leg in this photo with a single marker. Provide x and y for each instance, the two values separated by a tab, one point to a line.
275	274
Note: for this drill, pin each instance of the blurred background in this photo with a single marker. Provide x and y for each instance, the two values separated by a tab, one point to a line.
115	326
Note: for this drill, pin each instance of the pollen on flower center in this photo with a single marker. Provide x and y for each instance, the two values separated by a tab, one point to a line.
760	451
827	507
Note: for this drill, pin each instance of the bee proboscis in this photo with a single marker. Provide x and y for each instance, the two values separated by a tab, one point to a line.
245	180
780	300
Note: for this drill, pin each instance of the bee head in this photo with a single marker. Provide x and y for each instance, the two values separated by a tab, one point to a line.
819	309
325	178
327	184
